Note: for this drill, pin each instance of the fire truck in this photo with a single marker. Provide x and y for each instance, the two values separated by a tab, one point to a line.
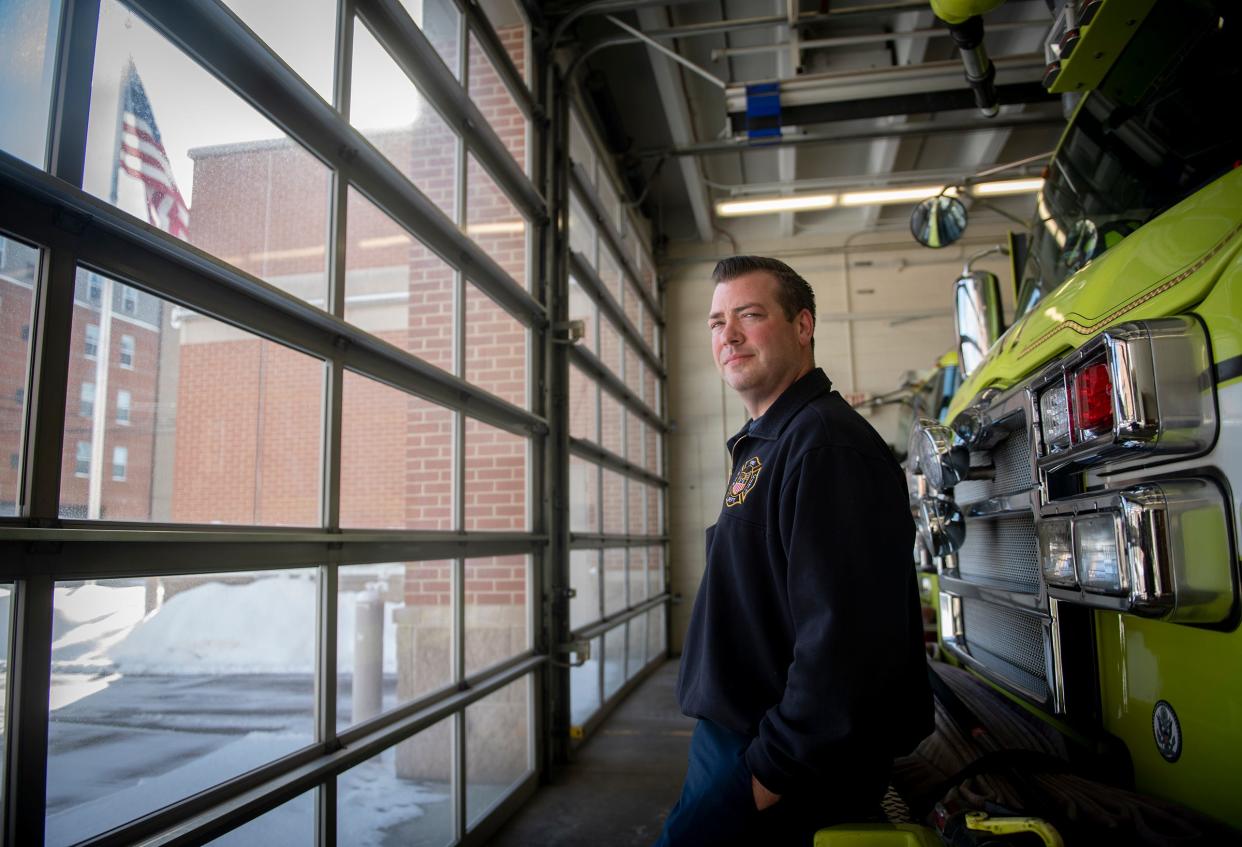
1078	503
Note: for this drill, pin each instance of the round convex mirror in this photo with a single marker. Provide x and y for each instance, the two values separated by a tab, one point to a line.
938	221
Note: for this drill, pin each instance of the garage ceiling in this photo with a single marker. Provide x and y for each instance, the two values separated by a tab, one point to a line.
872	94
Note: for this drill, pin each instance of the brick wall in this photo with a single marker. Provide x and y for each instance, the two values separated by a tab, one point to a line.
248	429
15	302
120	499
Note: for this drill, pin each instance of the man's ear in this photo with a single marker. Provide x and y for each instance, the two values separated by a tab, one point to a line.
806	326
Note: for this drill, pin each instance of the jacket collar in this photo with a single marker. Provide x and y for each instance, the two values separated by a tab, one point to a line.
772	423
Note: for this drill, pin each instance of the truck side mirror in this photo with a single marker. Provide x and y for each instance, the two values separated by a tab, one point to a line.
977	313
938	221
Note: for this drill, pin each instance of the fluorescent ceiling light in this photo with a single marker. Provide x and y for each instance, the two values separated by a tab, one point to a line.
885	196
291	253
496	228
1007	186
870	197
767	205
383	241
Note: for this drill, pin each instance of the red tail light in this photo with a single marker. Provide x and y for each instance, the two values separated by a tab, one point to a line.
1092	401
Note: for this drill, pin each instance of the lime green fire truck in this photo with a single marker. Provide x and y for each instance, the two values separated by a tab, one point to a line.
1081	498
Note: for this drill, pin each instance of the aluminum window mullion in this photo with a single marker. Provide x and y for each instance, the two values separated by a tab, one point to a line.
608	230
593	452
26	736
596	541
409	46
242	799
71	97
602	297
111	560
208	31
588	362
43	210
457	574
30	681
617	619
328	585
52	330
596	145
490	41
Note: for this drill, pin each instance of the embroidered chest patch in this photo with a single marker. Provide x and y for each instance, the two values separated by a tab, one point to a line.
743	482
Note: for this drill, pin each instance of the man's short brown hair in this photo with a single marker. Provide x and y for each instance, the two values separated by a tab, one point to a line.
793	293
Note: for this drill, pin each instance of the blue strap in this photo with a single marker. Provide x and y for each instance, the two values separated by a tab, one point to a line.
763	110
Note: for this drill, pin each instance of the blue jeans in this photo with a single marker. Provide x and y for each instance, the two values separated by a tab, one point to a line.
717	803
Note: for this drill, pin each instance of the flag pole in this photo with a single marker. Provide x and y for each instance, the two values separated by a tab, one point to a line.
103	351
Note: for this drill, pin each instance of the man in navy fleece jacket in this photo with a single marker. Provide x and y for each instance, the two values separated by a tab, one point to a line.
804	657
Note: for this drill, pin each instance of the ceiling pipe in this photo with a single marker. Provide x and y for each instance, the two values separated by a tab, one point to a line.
920	102
942	176
672	54
601	7
869	38
766	21
837	86
609	6
911	130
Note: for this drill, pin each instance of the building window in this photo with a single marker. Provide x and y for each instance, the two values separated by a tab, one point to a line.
92	341
13	461
82	463
127	351
129	300
120	461
25	332
88	400
123	400
94	288
19	396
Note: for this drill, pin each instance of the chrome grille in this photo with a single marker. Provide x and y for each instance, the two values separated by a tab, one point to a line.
1007	642
1012	459
1001	552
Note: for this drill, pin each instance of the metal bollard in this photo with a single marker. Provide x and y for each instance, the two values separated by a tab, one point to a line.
368	687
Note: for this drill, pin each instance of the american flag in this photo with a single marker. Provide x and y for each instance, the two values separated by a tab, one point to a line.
143	157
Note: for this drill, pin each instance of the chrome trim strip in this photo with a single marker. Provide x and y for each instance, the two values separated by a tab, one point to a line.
1020	503
1056	659
960	650
1022	601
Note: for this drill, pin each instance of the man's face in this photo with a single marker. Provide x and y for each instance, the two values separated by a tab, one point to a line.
758	351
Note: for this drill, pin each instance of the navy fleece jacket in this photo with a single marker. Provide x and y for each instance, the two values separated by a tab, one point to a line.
806	632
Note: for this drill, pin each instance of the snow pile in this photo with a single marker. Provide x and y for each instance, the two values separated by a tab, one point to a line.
265	626
88	620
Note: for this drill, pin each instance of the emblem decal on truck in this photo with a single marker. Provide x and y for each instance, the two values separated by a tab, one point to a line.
743	482
1168	731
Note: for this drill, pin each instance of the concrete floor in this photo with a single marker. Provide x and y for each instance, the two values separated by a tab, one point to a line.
622	782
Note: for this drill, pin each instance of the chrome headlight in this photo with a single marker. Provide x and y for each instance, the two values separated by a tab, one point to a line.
941	525
1097	555
944	463
1056	552
1160	549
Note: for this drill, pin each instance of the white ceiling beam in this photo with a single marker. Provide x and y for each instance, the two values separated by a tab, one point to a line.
883	153
676	110
787	157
